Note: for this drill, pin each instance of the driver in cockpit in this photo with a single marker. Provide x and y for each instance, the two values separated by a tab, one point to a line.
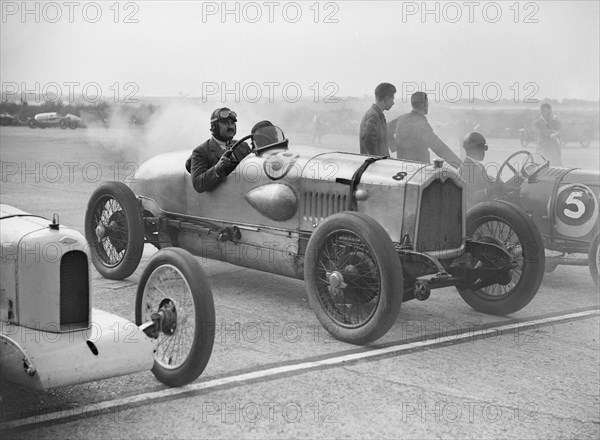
209	165
480	185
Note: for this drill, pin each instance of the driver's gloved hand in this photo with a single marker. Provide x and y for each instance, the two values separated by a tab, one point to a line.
225	165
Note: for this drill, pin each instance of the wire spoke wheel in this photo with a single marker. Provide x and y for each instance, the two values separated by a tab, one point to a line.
114	228
111	231
348	279
353	277
502	234
168	291
174	294
505	225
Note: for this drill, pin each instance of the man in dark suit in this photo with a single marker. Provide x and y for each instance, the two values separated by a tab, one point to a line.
373	135
415	136
209	165
547	131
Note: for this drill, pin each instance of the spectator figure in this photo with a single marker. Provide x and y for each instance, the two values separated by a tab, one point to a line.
547	129
373	134
317	128
415	137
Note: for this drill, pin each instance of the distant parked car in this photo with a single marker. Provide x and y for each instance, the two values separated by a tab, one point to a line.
53	119
581	131
8	119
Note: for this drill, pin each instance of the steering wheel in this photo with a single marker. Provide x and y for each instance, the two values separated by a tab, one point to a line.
528	169
231	151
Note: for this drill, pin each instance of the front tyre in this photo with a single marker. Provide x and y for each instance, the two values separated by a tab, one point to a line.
353	277
174	285
506	225
114	229
594	258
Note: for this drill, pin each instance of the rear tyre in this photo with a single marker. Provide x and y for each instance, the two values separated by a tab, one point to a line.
353	277
31	124
114	229
173	284
594	258
506	225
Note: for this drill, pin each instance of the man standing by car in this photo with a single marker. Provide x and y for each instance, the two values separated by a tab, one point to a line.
480	186
547	131
373	127
414	135
209	165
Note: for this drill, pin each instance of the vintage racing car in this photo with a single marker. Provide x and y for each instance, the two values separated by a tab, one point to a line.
365	233
49	334
53	119
563	203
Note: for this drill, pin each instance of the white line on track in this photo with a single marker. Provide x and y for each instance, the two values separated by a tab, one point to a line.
111	405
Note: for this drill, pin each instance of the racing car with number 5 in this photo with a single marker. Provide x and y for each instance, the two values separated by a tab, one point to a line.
562	202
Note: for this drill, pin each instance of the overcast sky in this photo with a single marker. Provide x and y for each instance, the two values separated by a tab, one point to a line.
539	49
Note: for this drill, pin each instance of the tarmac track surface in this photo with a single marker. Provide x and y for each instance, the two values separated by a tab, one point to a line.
443	370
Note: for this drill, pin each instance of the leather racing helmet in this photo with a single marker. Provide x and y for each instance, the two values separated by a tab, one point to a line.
474	139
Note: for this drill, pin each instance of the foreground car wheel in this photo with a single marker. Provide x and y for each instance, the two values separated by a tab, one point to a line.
175	286
353	277
594	258
506	225
114	229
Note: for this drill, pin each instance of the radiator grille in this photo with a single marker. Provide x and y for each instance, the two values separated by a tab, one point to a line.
319	205
74	290
440	218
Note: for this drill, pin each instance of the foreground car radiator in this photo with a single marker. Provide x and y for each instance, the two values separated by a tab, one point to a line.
74	290
440	217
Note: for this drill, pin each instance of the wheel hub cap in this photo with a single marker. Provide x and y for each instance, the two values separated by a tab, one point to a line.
100	232
336	280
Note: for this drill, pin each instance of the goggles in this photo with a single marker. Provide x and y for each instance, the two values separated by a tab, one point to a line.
225	114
